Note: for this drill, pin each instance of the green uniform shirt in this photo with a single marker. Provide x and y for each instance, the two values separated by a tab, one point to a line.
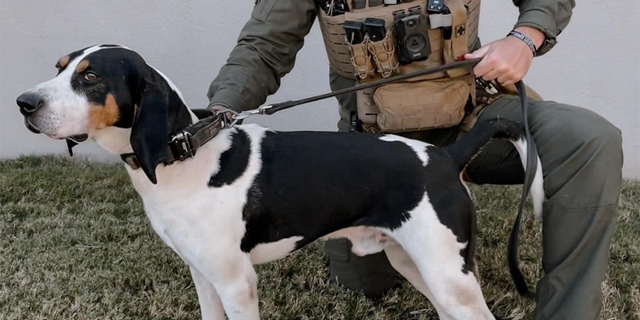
268	44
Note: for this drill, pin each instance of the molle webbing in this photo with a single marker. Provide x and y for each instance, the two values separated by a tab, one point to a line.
338	51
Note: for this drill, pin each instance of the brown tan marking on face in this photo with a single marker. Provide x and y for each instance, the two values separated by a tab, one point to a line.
62	63
82	66
101	117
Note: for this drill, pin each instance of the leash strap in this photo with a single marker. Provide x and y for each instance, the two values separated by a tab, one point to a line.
529	176
271	109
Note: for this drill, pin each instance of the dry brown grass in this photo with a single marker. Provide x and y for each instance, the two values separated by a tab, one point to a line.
75	244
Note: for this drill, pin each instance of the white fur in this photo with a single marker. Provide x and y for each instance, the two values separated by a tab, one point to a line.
113	139
418	146
267	252
435	252
537	188
364	240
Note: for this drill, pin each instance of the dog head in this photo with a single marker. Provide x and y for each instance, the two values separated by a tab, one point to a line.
104	87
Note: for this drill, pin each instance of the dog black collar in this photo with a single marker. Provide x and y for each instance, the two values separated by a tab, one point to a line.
184	144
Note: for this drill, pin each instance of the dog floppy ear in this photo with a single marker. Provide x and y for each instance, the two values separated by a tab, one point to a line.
150	132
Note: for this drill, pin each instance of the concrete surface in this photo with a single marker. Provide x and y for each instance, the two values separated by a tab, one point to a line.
596	65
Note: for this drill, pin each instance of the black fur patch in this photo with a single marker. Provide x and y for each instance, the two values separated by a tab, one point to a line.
313	183
234	161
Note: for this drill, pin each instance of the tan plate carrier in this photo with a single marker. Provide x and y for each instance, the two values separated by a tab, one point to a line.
422	103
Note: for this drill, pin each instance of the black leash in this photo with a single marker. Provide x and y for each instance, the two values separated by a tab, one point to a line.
529	176
292	103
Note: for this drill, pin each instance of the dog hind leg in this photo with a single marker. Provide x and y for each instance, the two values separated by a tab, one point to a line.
405	266
436	253
458	294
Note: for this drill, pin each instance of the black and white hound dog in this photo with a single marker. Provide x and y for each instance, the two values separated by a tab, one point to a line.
252	195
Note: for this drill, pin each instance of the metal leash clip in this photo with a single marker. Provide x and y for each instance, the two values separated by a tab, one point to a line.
239	116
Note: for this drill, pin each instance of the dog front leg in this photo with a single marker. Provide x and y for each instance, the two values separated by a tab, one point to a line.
225	266
210	303
236	283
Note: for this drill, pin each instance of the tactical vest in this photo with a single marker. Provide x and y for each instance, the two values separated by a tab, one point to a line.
427	102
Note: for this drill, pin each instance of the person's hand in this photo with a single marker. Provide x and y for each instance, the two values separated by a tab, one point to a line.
507	60
219	108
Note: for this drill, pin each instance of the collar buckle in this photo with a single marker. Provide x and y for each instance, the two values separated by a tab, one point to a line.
181	146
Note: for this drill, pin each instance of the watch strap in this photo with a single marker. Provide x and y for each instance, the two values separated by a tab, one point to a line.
524	39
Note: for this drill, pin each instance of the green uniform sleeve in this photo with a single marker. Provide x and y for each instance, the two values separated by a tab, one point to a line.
265	52
548	16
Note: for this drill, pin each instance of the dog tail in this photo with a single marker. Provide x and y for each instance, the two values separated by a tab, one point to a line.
467	148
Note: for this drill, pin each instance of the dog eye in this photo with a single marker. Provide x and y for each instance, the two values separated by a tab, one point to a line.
90	76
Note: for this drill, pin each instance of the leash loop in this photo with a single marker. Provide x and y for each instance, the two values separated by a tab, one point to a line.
273	108
530	171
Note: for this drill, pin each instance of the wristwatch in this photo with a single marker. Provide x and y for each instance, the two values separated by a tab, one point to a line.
524	39
546	45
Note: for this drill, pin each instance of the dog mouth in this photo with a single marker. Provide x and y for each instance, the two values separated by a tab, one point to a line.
31	126
75	138
78	138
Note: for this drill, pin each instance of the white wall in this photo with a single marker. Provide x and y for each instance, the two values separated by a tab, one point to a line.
596	64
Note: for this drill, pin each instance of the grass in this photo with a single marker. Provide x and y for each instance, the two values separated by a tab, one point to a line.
75	244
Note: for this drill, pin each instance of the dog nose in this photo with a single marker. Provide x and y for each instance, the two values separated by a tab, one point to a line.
29	102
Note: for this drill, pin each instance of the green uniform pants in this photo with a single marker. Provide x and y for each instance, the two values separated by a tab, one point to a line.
581	156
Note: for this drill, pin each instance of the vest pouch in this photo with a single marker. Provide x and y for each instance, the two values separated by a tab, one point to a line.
421	105
384	55
464	33
333	34
386	13
455	44
367	109
361	60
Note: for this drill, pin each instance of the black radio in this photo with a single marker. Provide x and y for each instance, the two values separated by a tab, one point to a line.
375	29
354	31
339	6
412	35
